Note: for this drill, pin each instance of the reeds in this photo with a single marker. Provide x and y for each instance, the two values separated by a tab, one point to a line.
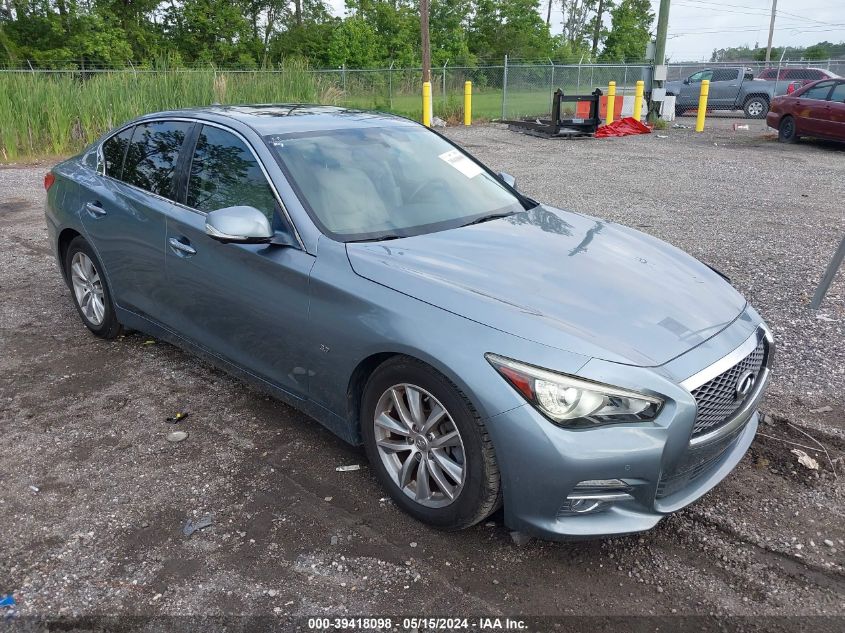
59	113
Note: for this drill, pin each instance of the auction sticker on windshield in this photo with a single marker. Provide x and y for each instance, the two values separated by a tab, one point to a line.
461	163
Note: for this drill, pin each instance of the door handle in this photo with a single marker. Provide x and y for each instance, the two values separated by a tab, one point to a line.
180	248
95	209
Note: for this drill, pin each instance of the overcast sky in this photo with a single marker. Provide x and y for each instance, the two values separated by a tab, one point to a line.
696	27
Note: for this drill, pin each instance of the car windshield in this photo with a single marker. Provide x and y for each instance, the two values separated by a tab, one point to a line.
377	183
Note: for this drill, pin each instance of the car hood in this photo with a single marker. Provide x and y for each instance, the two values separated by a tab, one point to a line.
562	279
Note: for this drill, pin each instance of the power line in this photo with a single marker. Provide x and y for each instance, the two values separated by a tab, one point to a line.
759	10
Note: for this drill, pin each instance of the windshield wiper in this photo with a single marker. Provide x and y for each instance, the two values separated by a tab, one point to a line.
381	238
486	218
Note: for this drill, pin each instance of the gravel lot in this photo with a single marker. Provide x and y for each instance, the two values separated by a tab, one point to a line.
93	499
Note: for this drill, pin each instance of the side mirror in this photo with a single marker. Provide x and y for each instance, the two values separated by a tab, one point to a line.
508	179
686	81
243	225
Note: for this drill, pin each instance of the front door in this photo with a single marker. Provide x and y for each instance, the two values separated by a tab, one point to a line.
836	113
691	89
246	303
811	108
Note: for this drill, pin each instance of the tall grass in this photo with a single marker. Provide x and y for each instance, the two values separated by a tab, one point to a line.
59	113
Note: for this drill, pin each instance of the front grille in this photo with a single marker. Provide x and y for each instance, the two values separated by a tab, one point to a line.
716	398
696	463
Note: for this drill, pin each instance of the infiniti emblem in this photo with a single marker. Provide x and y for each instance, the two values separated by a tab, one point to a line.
744	384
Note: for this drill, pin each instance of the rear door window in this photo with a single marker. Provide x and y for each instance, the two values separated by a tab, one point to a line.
152	155
725	74
114	151
225	173
804	74
819	91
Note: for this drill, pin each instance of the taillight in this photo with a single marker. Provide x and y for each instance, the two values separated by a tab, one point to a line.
49	179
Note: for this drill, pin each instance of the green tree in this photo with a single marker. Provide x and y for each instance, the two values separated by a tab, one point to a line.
449	41
354	43
509	27
630	31
211	31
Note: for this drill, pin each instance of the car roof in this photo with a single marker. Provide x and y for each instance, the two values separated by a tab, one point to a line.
289	117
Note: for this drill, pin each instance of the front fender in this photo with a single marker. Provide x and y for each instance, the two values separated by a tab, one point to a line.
354	318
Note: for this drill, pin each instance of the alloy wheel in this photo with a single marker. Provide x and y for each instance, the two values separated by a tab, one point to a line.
420	445
87	288
755	109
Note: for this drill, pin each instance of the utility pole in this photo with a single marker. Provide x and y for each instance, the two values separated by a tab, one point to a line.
659	75
426	53
426	41
771	30
549	14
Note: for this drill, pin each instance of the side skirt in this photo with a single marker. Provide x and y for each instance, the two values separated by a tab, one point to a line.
333	422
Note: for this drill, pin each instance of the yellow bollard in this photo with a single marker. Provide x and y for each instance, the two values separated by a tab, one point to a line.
638	100
611	99
427	103
467	103
702	105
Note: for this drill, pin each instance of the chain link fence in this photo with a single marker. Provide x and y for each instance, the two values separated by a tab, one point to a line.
508	90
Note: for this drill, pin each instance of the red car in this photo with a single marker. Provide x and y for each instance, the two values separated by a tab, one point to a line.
816	110
803	76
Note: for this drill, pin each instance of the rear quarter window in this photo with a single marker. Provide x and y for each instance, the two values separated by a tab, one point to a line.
114	151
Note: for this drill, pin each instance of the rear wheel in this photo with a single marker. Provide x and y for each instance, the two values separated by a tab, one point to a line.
90	290
786	130
756	108
428	446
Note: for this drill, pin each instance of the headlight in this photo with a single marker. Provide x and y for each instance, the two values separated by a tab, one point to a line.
575	402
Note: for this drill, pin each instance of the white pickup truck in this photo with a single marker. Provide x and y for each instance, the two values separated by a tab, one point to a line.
731	88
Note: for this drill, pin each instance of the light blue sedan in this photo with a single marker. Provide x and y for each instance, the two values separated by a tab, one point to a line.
485	348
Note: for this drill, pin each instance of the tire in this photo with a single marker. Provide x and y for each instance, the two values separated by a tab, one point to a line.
786	130
476	493
679	110
756	108
89	290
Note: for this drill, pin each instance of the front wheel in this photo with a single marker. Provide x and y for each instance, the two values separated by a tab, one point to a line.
756	108
786	130
91	294
428	446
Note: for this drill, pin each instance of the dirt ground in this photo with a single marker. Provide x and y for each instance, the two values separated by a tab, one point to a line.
93	498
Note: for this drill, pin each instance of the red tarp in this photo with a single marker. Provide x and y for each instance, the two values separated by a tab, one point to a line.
623	127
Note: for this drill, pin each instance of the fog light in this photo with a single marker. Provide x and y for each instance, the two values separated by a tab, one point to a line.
594	495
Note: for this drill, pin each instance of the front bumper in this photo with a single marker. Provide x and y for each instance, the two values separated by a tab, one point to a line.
665	471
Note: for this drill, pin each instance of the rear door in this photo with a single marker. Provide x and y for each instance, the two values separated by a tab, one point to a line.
124	213
246	303
724	87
